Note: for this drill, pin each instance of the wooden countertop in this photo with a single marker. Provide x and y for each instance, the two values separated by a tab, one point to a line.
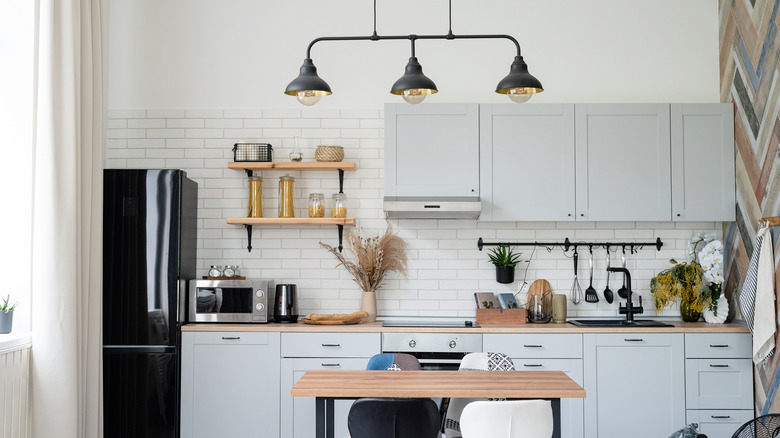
376	327
511	384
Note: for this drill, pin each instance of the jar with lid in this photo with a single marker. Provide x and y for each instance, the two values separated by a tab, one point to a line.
339	205
215	271
316	205
286	196
231	271
255	197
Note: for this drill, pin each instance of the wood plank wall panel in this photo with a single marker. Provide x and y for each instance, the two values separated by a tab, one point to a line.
15	392
749	63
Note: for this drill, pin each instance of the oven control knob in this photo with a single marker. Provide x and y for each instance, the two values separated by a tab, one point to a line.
412	343
259	293
259	306
453	344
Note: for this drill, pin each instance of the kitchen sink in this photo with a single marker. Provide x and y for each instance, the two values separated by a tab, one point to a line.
618	323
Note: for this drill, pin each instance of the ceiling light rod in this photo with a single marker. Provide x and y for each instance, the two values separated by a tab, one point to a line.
519	85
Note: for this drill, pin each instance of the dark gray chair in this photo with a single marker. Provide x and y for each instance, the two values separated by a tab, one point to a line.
765	426
394	418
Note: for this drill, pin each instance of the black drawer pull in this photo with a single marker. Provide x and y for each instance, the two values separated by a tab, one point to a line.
720	417
532	365
331	364
231	338
718	366
719	345
532	346
633	340
331	345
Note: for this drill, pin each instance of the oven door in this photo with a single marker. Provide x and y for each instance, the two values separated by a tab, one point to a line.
221	304
439	361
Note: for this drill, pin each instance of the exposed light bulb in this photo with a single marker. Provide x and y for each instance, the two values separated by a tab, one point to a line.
308	97
414	95
518	95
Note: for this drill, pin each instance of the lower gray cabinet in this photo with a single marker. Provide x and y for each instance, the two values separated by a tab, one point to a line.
718	423
546	352
635	384
319	351
230	384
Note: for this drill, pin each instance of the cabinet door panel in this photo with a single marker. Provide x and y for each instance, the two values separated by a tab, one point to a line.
719	383
623	162
527	162
571	408
634	381
703	172
719	423
298	412
432	150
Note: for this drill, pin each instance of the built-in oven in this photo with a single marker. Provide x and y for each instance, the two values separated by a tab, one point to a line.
434	351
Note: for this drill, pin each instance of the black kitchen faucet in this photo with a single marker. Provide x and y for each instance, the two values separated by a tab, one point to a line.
629	309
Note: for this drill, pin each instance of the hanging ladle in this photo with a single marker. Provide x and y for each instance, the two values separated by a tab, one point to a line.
623	292
608	295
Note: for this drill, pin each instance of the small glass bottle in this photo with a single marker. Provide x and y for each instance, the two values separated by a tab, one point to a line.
296	155
215	271
339	205
316	205
286	196
255	197
231	271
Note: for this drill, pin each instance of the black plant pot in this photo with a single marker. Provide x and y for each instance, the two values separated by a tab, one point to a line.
505	274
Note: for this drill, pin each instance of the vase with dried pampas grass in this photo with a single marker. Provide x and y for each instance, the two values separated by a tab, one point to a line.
373	258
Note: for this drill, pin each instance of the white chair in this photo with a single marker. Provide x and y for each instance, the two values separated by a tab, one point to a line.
473	362
507	419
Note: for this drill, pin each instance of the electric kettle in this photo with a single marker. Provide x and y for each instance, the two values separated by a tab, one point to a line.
286	303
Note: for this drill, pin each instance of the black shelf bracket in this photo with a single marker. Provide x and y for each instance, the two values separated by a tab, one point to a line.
341	182
249	173
248	237
341	237
566	244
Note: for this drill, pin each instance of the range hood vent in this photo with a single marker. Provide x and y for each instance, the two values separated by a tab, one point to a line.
443	207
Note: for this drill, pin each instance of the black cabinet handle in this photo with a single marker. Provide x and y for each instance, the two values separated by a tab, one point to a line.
231	338
720	416
718	366
719	345
331	364
331	345
633	340
532	346
532	365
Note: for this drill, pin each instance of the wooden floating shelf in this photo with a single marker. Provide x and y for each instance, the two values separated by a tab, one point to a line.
290	221
287	165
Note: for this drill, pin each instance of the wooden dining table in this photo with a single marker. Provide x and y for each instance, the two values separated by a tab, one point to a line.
329	385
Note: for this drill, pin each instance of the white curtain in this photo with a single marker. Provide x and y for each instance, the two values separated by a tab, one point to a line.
67	224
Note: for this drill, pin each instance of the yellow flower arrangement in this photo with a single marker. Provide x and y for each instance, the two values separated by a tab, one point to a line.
683	281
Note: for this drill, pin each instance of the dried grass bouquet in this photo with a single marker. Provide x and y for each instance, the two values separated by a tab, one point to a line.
374	257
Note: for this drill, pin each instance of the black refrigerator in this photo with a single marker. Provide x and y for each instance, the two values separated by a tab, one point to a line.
149	240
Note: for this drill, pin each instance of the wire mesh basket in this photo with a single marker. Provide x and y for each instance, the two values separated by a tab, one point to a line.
253	152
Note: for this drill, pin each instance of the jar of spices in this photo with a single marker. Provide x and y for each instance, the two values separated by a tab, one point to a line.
339	205
316	206
286	196
255	197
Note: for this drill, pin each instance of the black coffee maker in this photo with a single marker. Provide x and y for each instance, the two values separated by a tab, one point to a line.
286	303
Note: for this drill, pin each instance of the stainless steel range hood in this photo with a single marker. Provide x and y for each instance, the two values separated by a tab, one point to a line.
446	207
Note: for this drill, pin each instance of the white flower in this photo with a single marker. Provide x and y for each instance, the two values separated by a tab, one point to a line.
710	236
715	245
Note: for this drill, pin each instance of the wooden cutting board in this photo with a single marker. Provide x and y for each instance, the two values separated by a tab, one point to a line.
538	287
327	322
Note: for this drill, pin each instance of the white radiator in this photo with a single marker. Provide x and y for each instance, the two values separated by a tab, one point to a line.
15	389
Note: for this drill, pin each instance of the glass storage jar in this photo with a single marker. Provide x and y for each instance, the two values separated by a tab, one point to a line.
215	271
255	197
316	205
286	196
339	205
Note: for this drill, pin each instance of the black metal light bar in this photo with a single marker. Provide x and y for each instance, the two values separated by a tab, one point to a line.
566	244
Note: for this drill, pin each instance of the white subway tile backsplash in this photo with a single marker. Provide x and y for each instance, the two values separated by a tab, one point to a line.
445	266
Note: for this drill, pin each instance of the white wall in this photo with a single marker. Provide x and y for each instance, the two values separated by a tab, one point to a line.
243	53
445	266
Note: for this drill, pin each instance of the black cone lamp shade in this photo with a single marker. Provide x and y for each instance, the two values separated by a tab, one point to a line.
308	87
413	85
519	85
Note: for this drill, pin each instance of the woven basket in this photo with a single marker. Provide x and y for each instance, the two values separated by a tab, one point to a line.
327	153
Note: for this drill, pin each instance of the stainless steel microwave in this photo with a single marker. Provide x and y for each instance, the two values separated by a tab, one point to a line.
231	301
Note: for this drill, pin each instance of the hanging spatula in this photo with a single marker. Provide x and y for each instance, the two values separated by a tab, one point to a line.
590	292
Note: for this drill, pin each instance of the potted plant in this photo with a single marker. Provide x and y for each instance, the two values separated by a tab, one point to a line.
7	314
505	261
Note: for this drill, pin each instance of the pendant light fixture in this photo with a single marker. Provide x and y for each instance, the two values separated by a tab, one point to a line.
519	85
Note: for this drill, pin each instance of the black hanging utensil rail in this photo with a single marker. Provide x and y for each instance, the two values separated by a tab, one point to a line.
567	244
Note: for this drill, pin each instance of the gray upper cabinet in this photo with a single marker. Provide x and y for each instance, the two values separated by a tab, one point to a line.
703	186
527	162
432	150
623	162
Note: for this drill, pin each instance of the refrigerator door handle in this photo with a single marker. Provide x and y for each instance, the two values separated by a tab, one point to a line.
181	312
124	349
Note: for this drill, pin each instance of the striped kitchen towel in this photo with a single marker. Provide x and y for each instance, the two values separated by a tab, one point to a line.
764	321
747	298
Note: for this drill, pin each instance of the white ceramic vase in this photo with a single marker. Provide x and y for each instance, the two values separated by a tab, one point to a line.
723	311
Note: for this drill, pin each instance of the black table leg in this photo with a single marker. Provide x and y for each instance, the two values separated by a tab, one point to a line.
556	411
324	407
